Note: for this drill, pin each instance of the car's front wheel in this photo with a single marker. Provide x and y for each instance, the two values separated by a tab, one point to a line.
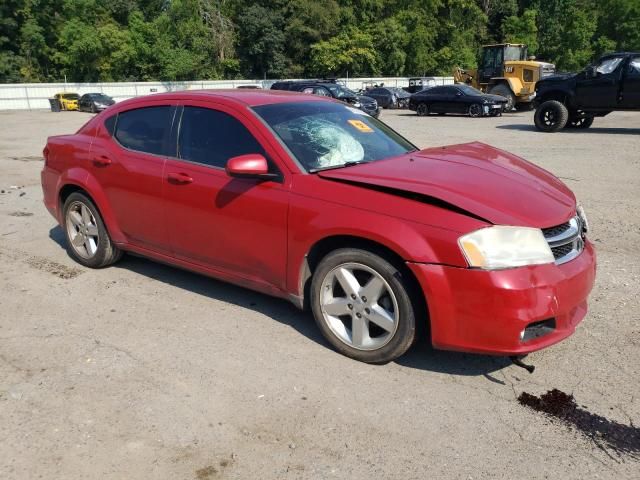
362	305
551	116
88	241
475	110
422	109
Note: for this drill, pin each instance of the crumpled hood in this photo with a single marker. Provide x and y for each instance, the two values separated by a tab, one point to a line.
486	182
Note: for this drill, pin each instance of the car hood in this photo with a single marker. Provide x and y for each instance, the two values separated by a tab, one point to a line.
495	98
474	178
557	77
365	99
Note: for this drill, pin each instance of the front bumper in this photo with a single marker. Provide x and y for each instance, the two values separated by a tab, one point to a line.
373	111
486	311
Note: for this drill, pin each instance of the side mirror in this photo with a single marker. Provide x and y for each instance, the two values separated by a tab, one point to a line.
252	165
591	72
458	94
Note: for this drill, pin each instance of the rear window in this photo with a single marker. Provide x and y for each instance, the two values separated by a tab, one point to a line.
144	129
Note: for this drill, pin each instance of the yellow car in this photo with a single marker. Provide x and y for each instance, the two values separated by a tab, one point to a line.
68	101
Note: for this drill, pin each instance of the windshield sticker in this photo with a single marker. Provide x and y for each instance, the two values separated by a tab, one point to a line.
360	125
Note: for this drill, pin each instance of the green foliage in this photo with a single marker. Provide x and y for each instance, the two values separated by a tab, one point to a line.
119	40
347	54
522	29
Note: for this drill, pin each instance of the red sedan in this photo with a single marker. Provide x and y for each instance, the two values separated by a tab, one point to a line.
308	199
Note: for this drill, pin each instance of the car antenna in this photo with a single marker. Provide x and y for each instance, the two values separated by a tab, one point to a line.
517	360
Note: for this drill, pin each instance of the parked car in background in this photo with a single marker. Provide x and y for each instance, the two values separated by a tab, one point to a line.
573	100
460	98
67	101
309	199
94	102
333	90
389	97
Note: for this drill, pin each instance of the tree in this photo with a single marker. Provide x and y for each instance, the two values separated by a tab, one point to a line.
522	29
348	54
261	44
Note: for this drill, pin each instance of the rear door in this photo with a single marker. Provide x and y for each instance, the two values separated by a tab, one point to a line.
601	91
237	226
437	99
631	84
129	164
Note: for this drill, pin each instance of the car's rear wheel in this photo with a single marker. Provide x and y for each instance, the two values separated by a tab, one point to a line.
88	241
361	304
475	110
551	116
422	109
579	120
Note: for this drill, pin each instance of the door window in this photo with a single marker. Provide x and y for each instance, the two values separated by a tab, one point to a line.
212	137
608	65
634	66
144	129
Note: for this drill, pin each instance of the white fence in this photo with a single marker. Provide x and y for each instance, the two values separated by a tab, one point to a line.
32	96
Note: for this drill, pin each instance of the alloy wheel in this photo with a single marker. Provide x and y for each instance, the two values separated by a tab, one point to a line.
359	306
82	230
475	110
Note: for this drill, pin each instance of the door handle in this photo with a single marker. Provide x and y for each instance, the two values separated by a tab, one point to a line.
102	161
179	178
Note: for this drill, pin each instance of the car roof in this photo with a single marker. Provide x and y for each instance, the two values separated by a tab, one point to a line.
240	97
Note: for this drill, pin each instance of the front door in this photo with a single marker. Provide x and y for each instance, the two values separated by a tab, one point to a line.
238	226
631	85
128	163
600	91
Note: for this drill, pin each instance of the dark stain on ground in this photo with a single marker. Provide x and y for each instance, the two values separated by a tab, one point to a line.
605	433
21	214
206	473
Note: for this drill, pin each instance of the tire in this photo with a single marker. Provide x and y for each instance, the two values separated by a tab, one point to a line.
83	223
337	308
475	110
504	91
93	108
422	109
551	116
579	121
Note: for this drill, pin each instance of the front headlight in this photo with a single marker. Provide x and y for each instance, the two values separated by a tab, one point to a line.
499	246
583	218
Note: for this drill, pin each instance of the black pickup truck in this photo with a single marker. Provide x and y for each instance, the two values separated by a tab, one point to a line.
573	100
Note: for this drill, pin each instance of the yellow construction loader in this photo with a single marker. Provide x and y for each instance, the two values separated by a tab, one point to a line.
506	70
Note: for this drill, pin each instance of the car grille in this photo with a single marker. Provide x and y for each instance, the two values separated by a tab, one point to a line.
547	69
566	240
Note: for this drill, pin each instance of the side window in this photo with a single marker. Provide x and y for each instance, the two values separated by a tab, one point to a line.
212	137
323	92
634	66
144	129
110	124
307	90
609	65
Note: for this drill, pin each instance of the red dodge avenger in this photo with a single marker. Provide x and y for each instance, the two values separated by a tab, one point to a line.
309	199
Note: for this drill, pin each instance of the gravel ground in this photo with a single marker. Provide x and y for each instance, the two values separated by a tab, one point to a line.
143	371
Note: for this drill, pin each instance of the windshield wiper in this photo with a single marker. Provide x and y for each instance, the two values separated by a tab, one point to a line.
333	167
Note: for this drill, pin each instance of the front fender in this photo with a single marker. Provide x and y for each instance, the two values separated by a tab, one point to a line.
312	220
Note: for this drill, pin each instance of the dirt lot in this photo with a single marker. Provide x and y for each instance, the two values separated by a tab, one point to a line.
142	371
